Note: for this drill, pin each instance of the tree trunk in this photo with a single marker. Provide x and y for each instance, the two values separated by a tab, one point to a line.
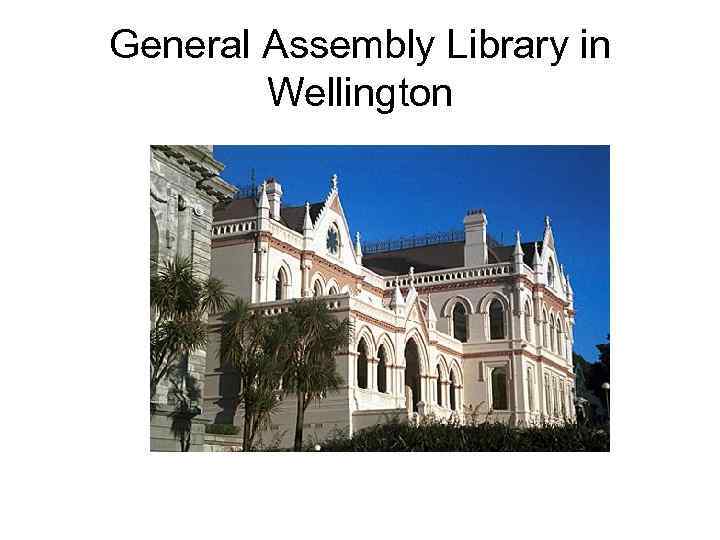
247	428
299	421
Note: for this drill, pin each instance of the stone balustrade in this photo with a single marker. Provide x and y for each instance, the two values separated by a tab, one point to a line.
230	228
422	279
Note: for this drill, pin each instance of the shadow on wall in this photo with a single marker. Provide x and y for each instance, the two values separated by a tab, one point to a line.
229	390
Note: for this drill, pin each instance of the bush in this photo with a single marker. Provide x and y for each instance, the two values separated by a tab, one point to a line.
222	429
485	437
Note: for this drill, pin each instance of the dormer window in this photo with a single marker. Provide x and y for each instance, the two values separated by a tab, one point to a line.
333	240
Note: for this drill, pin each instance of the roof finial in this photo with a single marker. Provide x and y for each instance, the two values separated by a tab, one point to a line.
358	246
263	203
536	258
307	223
334	182
397	301
547	222
518	247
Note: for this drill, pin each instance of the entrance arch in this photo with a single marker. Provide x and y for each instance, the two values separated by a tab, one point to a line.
412	372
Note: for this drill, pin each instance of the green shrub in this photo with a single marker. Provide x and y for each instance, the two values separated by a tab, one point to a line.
222	429
485	437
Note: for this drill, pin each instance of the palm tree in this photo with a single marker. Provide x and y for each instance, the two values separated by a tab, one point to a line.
312	337
246	339
180	303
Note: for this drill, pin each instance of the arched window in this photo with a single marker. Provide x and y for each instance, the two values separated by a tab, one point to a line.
555	397
333	291
531	389
497	320
281	283
528	321
452	390
499	390
558	330
548	400
317	289
552	334
382	371
438	387
562	401
551	273
545	329
362	364
459	316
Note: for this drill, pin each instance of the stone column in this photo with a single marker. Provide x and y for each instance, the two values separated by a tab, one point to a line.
372	373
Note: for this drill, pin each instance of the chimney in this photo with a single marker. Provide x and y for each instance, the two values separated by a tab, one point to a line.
274	194
476	251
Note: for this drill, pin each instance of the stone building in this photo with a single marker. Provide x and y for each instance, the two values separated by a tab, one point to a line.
453	325
184	186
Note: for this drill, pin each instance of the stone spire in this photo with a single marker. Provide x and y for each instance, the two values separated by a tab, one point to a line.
263	209
536	259
307	223
431	316
358	248
307	228
548	238
334	182
397	302
518	247
517	254
412	292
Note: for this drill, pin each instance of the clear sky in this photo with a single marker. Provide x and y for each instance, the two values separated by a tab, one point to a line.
393	191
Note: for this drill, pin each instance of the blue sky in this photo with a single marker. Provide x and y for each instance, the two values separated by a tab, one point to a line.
393	191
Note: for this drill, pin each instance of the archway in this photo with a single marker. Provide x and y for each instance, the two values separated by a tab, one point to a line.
438	387
362	365
453	387
412	371
382	370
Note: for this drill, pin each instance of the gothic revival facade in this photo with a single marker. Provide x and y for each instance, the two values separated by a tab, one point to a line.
448	326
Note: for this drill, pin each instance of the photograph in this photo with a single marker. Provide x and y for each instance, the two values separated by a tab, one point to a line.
379	298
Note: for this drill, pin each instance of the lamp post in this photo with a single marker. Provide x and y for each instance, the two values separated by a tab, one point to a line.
606	386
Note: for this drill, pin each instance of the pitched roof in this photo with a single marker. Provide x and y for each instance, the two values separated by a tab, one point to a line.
437	257
236	209
246	207
294	216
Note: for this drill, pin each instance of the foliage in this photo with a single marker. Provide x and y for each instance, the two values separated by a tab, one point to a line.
483	437
180	303
222	429
306	340
589	378
247	343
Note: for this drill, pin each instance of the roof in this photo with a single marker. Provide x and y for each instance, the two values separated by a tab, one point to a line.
294	216
236	209
439	256
246	207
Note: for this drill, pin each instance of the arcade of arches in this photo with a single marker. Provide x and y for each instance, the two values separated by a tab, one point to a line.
373	374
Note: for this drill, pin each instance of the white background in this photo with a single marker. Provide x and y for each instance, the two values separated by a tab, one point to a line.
76	125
